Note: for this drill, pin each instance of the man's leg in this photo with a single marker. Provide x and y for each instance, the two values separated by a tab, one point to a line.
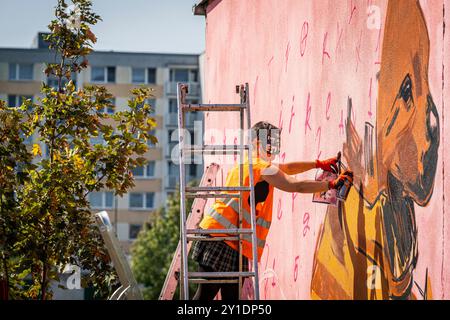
230	291
206	291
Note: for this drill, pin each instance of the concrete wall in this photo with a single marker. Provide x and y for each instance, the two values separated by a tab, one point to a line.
330	73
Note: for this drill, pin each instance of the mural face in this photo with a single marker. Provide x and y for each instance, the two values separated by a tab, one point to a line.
367	249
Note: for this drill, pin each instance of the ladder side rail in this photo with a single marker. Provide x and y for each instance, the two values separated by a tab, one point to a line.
184	292
241	184
252	197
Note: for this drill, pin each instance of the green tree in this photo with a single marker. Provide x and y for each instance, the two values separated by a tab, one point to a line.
57	225
14	160
155	246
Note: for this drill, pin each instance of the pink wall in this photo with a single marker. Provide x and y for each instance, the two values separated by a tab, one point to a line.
303	61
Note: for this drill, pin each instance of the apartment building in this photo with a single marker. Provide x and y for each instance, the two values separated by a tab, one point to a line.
21	76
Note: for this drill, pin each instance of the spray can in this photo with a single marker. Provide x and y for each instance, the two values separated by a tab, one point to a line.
344	190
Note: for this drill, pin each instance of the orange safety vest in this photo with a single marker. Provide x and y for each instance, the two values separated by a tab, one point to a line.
224	213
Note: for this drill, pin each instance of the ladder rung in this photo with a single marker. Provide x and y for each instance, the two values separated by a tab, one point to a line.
216	149
221	274
213	107
199	281
202	238
218	189
219	231
212	195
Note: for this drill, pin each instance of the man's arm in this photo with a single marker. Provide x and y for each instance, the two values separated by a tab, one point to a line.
280	180
292	168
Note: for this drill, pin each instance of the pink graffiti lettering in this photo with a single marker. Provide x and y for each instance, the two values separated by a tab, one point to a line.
273	268
339	37
328	105
286	56
265	268
318	136
279	210
292	114
352	11
324	46
304	37
308	113
358	52
280	118
293	196
296	268
306	228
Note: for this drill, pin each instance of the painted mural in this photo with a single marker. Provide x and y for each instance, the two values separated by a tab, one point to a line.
368	78
368	247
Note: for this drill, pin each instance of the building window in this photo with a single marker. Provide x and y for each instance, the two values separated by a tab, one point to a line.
179	75
145	172
16	100
173	106
173	169
142	75
152	103
138	172
101	199
138	75
141	200
111	74
134	231
151	75
110	108
20	71
103	74
184	75
149	199
150	169
52	81
149	141
193	75
193	170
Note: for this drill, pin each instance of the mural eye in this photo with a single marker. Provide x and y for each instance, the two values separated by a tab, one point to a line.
406	90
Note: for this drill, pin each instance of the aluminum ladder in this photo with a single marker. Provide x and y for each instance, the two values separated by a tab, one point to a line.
195	216
186	234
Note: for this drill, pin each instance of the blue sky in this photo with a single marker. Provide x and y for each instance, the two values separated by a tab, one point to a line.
128	25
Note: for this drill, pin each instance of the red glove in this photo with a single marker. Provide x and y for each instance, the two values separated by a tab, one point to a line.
339	182
328	165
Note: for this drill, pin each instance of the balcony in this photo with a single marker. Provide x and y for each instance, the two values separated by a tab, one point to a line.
193	89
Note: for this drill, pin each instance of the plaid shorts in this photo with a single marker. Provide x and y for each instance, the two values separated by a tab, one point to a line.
218	255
